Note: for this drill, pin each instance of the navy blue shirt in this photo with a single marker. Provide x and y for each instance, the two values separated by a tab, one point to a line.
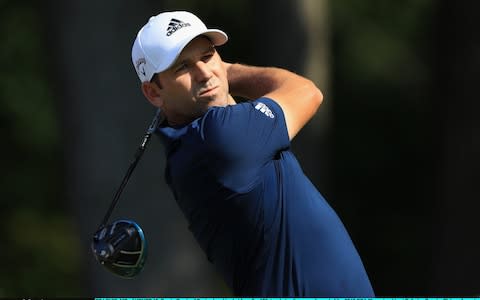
255	214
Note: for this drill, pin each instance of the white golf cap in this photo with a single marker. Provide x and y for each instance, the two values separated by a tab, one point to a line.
160	41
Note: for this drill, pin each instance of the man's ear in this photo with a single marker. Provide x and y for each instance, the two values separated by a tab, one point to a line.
152	92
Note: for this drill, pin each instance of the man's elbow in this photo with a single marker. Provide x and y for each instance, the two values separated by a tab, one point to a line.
316	97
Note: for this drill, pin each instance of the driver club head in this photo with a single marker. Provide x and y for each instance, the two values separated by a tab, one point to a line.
121	248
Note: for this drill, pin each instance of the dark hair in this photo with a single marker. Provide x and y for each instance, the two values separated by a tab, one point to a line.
155	79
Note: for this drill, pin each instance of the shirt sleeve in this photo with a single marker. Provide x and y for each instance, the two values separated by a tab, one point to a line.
242	139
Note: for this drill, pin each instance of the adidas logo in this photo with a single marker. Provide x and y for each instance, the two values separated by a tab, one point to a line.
264	109
175	25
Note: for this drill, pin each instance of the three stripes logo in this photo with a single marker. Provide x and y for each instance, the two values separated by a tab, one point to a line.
175	25
263	108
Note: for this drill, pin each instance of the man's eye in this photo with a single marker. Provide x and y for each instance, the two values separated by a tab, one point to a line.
207	57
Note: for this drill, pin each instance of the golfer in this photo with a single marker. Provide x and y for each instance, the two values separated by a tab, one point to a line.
258	218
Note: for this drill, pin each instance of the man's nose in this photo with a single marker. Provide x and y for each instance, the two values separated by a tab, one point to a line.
202	71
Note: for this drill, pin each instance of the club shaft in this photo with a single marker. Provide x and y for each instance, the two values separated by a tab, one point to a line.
125	179
138	154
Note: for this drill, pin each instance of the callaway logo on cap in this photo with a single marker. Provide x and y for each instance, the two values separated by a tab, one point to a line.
160	41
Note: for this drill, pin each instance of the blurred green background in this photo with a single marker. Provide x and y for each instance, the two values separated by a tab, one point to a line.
395	148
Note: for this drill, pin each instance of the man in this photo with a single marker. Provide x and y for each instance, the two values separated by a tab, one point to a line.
258	218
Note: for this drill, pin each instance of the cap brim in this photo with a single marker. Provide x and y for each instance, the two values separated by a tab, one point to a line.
217	37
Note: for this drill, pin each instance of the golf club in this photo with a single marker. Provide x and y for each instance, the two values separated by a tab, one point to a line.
121	246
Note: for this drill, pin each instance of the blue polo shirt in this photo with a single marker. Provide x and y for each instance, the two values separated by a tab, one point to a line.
258	218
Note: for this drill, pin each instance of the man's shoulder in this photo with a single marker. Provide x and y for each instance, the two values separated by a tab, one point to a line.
224	118
216	128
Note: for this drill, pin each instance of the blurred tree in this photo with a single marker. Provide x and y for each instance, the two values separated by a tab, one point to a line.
313	145
39	244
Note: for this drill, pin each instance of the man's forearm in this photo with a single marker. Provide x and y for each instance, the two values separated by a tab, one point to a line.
253	82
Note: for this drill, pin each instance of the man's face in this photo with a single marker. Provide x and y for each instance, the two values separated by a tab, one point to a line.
196	81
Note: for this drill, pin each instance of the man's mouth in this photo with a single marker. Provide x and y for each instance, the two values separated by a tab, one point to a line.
208	92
